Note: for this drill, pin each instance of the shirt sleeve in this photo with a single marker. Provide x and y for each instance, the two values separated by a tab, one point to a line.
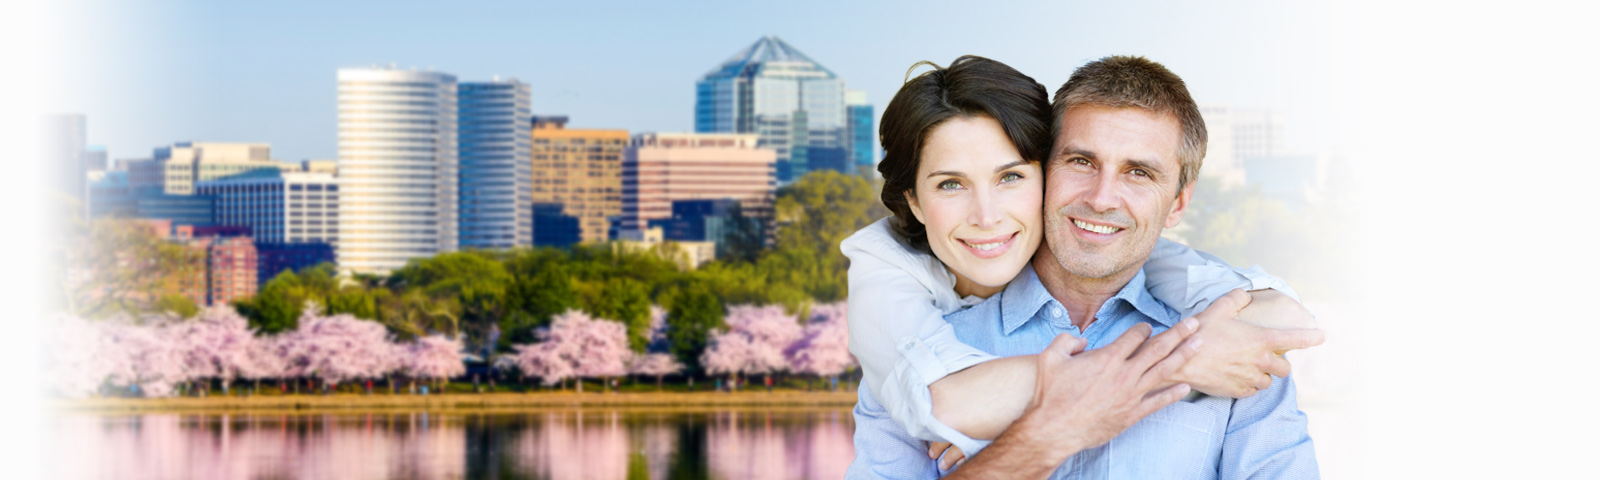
1267	437
1188	280
898	298
883	449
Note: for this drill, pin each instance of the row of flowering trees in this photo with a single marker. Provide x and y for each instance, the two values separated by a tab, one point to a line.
759	340
765	340
156	354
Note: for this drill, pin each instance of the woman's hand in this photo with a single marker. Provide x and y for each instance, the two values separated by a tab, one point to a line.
948	455
1243	345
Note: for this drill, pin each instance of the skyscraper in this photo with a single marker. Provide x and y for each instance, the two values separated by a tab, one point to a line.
496	179
794	105
658	169
64	140
863	139
577	177
397	167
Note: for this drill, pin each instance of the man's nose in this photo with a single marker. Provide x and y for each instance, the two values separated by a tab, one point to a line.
1103	195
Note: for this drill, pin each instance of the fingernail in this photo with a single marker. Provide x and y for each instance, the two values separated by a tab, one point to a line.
1194	343
1191	323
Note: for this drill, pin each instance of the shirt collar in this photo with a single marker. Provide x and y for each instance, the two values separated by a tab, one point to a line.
1025	296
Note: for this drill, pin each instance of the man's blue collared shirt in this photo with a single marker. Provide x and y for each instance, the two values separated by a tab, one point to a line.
1206	437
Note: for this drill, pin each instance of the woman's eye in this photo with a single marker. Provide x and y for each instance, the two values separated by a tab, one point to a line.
1010	177
949	185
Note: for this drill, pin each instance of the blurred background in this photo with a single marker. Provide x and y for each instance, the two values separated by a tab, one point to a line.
251	158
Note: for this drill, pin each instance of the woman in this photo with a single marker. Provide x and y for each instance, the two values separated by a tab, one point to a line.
962	174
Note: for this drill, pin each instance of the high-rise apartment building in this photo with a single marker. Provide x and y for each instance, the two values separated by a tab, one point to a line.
496	179
278	206
1236	136
795	105
65	137
397	167
658	169
577	174
229	270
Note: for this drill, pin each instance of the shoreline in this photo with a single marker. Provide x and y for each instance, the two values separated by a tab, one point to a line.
460	401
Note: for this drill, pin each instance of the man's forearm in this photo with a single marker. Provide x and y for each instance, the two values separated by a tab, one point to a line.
981	401
1018	453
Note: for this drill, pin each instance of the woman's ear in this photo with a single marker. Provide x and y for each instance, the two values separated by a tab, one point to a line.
916	210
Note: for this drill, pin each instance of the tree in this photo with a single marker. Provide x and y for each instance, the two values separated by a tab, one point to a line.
657	365
434	357
824	345
754	343
470	281
78	356
217	345
579	346
624	300
695	313
124	267
338	348
148	355
823	208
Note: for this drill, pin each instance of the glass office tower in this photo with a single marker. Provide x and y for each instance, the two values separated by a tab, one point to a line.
771	89
496	203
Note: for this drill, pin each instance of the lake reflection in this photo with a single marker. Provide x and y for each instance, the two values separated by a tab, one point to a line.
590	443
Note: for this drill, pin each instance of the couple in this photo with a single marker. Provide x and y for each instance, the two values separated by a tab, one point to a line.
987	354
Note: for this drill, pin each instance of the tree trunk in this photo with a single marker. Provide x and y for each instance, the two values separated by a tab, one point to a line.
580	384
658	383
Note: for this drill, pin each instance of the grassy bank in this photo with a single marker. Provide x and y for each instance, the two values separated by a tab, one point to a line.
752	397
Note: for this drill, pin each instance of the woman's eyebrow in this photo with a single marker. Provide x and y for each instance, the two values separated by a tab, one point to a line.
947	172
1003	168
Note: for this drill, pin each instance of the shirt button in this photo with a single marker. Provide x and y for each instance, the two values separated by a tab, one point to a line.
910	344
1055	312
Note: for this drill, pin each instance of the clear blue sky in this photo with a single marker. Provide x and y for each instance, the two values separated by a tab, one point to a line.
151	73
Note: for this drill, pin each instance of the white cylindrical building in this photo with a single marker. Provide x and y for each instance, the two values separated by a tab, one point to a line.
397	167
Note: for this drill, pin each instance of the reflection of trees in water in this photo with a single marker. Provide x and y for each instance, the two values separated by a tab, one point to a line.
765	445
552	444
409	445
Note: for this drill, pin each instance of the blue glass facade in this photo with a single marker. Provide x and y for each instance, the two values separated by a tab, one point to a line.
771	89
862	138
496	190
552	228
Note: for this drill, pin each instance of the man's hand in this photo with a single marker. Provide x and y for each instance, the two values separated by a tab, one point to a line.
1239	356
948	455
1083	400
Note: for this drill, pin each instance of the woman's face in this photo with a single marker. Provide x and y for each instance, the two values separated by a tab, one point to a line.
981	203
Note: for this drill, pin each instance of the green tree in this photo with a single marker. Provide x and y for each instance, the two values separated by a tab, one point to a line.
623	300
123	266
823	208
180	305
467	287
694	313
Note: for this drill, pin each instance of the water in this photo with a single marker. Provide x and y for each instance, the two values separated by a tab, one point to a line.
781	443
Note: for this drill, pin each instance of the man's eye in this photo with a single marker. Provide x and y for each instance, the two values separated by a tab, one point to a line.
1140	172
1080	161
949	185
1010	177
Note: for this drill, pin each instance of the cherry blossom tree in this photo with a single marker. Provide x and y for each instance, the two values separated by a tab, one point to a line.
656	364
824	345
575	345
265	361
146	355
754	343
338	348
434	357
78	356
216	345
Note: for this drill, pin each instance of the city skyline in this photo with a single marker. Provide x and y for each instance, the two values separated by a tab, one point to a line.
263	75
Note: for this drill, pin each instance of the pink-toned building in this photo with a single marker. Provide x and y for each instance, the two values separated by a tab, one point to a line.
230	269
658	168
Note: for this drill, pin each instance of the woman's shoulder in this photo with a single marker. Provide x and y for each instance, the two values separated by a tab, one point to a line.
877	239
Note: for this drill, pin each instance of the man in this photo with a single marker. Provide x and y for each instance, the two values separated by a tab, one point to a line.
1129	140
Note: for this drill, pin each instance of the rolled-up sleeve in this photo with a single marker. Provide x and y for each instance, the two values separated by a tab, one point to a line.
1188	280
883	449
898	332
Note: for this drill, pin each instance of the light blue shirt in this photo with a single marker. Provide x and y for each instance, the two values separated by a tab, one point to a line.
1206	437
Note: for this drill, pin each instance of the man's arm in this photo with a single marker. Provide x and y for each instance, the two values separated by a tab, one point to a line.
1085	399
981	401
1267	437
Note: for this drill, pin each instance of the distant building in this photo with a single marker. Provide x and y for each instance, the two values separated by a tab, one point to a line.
230	269
793	103
659	169
688	255
177	168
65	137
397	167
275	258
553	227
279	206
580	171
862	138
496	179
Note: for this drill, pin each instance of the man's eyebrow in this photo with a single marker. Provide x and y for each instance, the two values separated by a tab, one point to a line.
1070	151
1152	167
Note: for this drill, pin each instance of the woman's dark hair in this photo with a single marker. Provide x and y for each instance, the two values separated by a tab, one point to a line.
970	86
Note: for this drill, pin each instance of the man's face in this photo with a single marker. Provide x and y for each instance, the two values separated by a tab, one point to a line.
1111	187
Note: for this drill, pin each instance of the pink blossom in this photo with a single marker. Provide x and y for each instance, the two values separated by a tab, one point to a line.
754	343
824	347
435	357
